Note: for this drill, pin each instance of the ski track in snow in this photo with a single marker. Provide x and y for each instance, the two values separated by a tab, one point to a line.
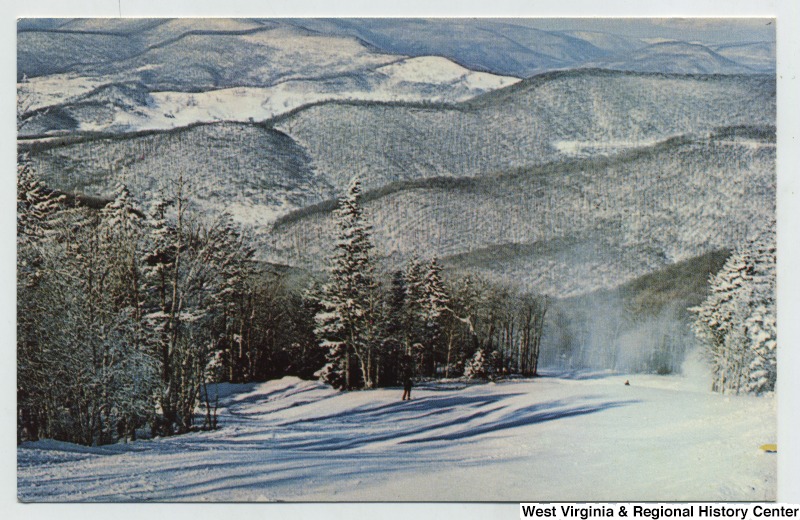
577	437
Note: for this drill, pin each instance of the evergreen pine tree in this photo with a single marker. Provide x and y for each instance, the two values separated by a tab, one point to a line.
129	370
477	367
433	304
396	305
736	322
761	324
413	318
347	325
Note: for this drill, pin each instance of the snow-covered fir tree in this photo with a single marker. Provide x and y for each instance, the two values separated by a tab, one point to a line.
121	229
762	336
412	308
736	323
433	306
395	319
230	258
477	367
435	300
36	203
347	322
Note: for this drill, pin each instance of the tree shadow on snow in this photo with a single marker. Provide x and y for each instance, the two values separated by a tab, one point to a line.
353	440
401	410
534	414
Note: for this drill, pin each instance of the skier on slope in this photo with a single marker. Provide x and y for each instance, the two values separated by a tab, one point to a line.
406	376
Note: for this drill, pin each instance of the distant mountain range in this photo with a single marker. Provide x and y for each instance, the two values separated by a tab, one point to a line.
258	69
195	54
565	160
516	48
681	58
586	169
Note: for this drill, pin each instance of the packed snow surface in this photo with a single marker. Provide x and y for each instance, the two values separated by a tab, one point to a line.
581	437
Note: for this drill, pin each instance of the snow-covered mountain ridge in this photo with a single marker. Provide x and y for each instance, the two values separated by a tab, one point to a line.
678	57
566	228
278	65
587	128
518	47
114	108
528	47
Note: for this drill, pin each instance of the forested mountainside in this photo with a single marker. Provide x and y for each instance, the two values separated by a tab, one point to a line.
262	172
570	227
541	120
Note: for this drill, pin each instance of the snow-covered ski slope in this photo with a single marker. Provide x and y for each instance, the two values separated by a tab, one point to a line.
574	438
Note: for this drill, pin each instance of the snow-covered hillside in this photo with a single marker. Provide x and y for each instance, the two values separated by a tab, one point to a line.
523	124
567	229
570	227
581	437
423	79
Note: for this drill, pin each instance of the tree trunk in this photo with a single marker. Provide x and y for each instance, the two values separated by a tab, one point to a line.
449	354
